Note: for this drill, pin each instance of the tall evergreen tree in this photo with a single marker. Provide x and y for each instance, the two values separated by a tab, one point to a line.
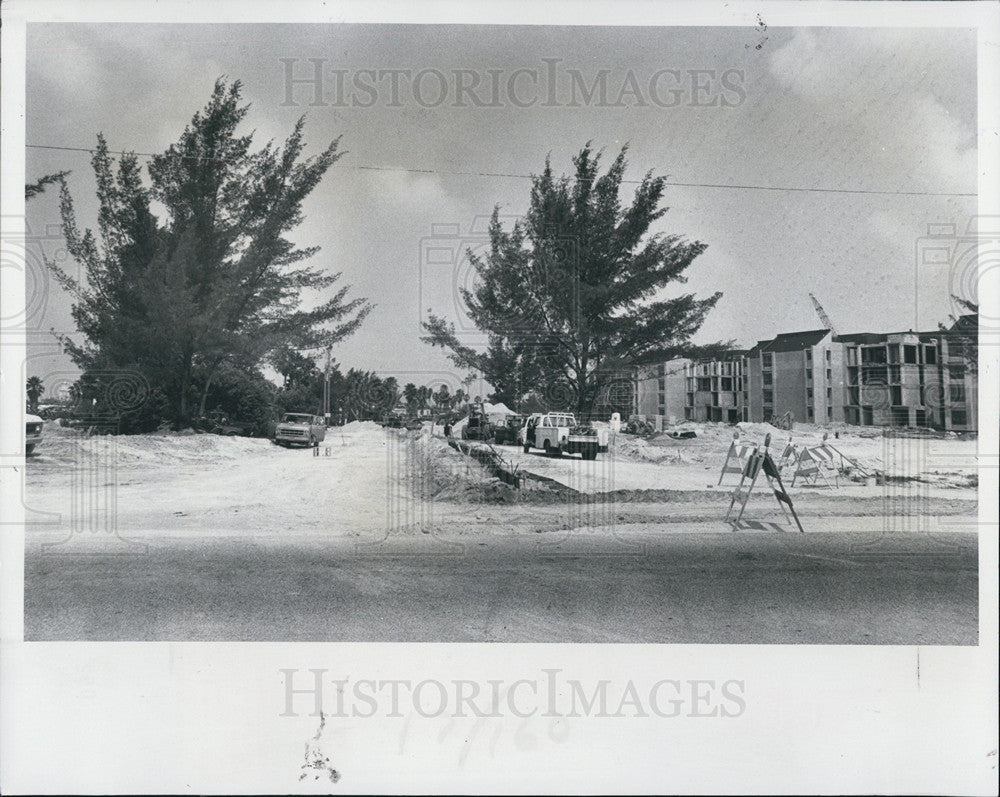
572	294
216	280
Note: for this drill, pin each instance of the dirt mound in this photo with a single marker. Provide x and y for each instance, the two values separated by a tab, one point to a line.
61	445
438	472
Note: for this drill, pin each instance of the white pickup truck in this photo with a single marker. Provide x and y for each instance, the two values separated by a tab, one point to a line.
300	428
556	432
32	432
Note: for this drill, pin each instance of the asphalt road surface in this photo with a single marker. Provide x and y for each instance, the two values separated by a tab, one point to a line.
751	586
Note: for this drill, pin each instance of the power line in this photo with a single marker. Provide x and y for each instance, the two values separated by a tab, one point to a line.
735	186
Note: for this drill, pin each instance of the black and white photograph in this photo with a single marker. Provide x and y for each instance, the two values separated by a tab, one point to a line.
535	397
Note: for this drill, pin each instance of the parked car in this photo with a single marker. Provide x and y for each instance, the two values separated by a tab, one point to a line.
558	432
32	432
300	428
217	422
507	432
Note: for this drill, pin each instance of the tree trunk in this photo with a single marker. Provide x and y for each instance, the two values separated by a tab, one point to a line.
208	384
184	419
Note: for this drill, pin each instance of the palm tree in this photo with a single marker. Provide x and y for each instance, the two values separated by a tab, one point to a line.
34	389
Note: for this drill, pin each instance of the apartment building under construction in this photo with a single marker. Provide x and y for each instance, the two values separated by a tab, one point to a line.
915	379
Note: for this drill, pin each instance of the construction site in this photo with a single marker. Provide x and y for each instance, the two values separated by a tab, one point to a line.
846	529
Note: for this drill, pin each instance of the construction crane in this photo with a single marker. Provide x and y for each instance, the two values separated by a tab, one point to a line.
822	314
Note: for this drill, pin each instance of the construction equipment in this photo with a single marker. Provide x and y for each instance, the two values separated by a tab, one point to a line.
785	421
822	314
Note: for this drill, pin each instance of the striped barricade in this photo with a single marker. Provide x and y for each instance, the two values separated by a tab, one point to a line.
816	465
760	460
736	458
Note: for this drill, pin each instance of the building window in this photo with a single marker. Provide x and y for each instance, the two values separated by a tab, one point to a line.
956	393
809	394
910	355
956	371
809	411
827	353
959	418
896	395
829	413
829	394
768	379
874	355
930	355
767	359
769	397
829	374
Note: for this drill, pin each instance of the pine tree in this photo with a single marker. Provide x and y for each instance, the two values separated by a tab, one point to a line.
572	294
216	280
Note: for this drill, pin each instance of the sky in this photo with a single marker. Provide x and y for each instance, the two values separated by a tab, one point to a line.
823	114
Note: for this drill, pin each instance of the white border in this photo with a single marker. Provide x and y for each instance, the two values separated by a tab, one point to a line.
194	717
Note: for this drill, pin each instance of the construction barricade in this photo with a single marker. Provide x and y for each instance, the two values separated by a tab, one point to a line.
758	461
736	457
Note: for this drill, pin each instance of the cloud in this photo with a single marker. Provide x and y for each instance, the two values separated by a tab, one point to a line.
870	91
412	192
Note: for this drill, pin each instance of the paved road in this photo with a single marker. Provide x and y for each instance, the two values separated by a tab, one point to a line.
753	586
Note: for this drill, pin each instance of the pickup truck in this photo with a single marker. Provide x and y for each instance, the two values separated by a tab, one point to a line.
556	432
32	432
301	428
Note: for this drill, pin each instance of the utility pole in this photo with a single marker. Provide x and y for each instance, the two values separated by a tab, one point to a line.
326	387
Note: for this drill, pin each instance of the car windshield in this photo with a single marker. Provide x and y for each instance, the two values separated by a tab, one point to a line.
291	418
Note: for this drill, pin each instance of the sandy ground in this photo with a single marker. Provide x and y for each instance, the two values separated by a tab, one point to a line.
634	463
368	483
